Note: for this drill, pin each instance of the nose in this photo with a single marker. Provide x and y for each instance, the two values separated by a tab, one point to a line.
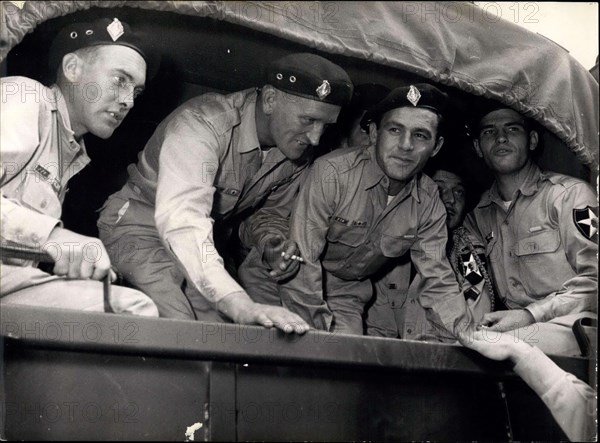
404	141
314	135
126	97
501	136
447	197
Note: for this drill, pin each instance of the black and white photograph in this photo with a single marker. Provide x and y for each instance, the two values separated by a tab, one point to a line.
298	221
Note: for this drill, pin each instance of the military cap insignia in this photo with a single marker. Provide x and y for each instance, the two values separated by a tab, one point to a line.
323	90
115	29
586	221
413	95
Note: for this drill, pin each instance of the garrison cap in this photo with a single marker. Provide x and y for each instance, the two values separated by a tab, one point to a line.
311	76
421	95
103	31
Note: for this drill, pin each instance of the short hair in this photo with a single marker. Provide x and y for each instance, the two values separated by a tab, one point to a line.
87	54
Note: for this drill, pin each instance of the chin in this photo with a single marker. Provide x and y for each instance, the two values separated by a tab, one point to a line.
103	133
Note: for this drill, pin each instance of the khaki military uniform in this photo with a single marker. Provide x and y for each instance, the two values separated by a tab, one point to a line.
347	233
542	250
200	169
39	156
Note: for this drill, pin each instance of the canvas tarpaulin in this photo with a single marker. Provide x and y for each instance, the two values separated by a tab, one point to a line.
453	43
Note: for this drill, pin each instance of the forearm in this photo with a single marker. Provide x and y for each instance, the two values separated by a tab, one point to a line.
23	226
571	402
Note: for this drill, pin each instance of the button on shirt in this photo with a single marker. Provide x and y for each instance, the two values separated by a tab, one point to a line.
345	228
539	259
200	165
39	156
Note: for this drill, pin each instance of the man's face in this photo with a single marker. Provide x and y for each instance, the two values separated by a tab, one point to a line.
296	123
504	142
405	140
453	195
106	87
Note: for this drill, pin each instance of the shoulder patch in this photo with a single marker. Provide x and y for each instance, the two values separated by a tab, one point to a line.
586	221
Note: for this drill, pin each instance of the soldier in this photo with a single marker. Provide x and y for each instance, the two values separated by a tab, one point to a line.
360	210
42	148
396	313
216	158
540	233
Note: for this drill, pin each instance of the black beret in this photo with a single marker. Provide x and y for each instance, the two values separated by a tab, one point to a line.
421	95
311	76
103	31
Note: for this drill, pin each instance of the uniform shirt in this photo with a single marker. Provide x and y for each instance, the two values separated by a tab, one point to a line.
571	401
345	228
398	313
203	163
39	154
539	257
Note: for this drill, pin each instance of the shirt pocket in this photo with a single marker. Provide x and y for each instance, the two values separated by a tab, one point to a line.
39	195
537	257
343	234
397	245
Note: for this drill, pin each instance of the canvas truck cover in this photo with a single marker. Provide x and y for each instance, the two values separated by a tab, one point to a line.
453	43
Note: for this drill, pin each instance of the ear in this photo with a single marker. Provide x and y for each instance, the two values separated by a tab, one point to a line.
438	146
477	148
372	132
72	66
533	140
268	99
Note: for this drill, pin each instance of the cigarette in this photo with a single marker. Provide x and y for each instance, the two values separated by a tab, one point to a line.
293	257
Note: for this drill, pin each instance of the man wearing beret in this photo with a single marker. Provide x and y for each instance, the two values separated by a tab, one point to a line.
212	160
360	211
540	230
101	67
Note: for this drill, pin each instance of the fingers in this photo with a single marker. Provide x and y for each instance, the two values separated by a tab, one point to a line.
286	273
282	319
491	317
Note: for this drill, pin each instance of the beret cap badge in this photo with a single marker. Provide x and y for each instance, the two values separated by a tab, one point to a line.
115	29
324	89
413	95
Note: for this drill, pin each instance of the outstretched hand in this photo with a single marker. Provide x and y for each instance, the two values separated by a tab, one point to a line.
501	321
241	309
496	346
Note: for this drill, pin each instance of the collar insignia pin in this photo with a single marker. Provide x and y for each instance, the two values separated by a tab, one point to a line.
413	95
324	90
115	29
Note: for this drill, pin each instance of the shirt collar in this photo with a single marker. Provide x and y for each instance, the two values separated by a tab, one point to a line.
63	112
529	186
61	106
248	133
374	174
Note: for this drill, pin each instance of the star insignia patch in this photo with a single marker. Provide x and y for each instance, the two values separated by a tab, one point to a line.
586	221
471	271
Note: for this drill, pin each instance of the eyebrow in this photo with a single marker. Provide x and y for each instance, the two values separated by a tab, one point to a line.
509	123
129	77
398	123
